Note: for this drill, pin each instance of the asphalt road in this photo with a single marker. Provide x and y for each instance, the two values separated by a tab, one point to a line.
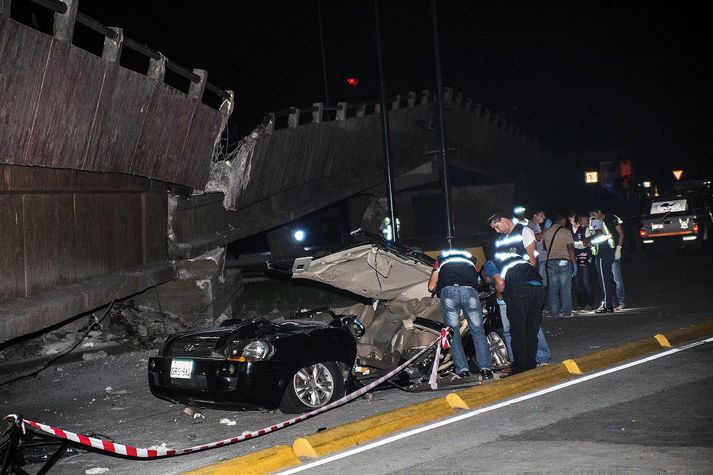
110	396
652	418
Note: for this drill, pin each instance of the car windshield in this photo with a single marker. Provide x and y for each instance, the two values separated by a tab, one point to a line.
660	207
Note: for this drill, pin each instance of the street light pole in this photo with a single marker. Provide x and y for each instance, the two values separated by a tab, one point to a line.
385	125
324	61
441	121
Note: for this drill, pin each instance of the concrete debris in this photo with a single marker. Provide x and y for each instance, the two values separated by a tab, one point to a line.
193	412
228	422
142	326
96	470
95	356
108	389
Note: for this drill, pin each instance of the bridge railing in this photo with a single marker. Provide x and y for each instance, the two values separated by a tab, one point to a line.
67	14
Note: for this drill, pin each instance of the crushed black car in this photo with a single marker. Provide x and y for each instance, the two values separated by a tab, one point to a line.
312	358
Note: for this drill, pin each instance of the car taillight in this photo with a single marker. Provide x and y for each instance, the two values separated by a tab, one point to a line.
695	227
643	233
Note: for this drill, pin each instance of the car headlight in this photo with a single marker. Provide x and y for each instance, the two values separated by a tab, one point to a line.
257	350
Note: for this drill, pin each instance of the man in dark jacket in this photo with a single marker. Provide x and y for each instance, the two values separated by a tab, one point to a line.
521	287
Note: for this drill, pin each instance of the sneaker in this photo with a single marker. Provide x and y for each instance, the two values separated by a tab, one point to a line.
568	315
461	375
604	310
546	313
486	375
619	307
543	363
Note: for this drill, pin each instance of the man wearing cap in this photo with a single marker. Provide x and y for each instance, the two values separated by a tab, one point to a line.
521	287
454	279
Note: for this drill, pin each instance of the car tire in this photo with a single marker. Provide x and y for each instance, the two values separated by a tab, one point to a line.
312	387
498	350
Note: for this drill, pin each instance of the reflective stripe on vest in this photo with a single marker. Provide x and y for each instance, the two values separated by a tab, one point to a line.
606	236
510	250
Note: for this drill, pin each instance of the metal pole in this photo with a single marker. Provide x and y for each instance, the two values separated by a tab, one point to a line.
385	125
441	120
324	61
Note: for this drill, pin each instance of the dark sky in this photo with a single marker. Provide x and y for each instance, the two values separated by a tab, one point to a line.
585	77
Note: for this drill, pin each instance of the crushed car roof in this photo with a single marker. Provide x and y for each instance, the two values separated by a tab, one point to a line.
374	269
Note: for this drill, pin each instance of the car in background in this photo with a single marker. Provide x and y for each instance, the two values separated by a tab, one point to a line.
681	220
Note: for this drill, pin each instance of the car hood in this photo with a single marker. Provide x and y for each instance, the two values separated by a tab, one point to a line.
369	270
205	342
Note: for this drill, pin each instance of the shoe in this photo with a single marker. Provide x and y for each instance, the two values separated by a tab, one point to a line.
568	315
543	363
604	310
486	375
461	375
546	313
619	307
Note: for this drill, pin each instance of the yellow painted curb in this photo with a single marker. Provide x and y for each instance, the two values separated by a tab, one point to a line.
663	341
354	433
263	461
572	367
508	387
685	335
618	354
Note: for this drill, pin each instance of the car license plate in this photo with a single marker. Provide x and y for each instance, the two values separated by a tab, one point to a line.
181	369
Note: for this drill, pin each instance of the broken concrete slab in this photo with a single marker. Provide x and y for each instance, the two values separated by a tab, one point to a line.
28	315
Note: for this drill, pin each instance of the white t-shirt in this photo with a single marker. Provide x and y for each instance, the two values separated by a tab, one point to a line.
528	236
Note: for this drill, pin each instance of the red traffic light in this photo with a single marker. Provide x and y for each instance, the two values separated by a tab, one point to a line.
352	82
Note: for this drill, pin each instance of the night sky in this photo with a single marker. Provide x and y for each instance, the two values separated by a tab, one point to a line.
589	79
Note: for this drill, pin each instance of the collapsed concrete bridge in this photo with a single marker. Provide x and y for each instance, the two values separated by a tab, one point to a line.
111	183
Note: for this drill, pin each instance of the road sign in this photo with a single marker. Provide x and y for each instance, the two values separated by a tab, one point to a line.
591	177
677	174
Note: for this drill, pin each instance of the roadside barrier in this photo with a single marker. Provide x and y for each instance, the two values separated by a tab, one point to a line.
114	449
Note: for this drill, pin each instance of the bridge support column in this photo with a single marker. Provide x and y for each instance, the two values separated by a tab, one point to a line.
204	288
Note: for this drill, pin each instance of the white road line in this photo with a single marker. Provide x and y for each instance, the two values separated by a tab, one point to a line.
469	414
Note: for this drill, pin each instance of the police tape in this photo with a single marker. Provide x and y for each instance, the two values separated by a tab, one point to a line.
114	449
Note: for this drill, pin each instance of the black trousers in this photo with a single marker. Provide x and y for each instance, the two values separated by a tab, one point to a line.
603	262
524	306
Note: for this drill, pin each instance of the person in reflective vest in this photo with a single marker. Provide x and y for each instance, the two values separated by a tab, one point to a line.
605	251
455	279
521	287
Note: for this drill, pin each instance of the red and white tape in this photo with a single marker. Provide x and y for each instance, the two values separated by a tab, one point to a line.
128	451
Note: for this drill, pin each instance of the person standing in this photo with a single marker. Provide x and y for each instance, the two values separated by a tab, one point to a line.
583	254
604	250
535	224
521	287
561	267
543	355
615	222
455	279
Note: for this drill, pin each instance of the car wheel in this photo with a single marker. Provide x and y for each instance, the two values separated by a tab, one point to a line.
313	387
498	350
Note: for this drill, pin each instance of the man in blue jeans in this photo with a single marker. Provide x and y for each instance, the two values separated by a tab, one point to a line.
561	267
454	279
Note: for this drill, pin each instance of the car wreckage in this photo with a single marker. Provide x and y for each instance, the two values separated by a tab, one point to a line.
313	357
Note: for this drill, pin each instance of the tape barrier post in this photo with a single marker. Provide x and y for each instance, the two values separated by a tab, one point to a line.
114	449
